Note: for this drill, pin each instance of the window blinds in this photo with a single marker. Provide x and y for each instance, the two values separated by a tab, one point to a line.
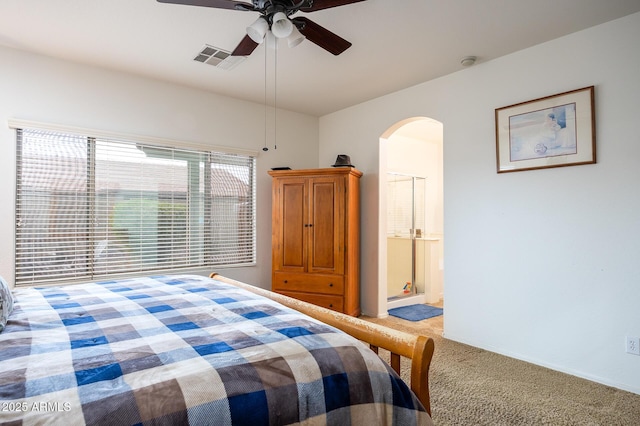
405	205
90	207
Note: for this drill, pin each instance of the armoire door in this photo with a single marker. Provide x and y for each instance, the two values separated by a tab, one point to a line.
289	231
326	225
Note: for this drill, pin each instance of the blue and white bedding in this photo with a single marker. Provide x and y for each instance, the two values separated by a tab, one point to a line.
186	349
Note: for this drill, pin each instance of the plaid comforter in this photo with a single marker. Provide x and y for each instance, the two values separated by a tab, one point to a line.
186	349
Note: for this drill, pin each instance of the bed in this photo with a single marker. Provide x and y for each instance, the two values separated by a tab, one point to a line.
187	349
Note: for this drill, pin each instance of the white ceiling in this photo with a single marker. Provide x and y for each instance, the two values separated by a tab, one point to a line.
396	43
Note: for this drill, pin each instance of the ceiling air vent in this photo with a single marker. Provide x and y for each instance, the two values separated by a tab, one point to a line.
218	58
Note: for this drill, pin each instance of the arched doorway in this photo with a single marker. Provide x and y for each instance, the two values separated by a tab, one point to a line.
411	232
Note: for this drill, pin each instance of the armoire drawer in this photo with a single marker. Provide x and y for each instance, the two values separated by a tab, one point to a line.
335	303
309	283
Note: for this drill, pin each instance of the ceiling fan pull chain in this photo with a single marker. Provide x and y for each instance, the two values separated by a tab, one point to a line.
265	148
275	97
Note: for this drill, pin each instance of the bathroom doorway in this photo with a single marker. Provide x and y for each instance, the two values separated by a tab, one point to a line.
411	221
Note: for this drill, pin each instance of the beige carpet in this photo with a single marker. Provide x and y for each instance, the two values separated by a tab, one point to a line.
471	386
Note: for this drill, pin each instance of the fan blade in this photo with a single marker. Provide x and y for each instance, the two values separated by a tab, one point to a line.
219	4
245	47
326	4
321	36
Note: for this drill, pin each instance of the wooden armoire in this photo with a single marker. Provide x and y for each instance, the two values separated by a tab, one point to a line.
316	233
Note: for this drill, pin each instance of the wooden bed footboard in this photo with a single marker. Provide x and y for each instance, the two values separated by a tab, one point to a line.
418	348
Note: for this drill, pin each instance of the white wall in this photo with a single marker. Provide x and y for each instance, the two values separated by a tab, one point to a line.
539	265
51	91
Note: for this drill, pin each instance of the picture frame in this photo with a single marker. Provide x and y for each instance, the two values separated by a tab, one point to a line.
554	131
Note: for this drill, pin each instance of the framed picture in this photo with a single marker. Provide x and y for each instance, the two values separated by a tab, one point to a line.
554	131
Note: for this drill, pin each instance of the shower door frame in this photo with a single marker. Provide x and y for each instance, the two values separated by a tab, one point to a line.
412	232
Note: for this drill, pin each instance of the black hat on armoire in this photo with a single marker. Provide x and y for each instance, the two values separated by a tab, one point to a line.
343	160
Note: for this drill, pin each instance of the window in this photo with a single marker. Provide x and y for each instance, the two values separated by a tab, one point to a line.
88	207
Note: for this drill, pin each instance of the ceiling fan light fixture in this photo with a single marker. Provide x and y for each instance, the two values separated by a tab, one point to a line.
258	30
281	26
295	38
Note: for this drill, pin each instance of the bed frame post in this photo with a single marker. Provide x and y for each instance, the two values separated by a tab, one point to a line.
420	363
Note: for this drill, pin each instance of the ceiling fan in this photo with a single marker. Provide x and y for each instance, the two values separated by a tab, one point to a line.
275	15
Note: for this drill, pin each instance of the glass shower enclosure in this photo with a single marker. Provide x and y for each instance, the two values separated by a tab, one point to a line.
406	199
